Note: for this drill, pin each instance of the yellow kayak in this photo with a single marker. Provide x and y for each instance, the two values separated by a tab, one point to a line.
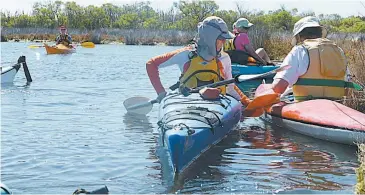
59	49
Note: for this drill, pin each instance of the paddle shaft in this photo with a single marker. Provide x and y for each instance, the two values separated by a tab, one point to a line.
142	104
84	44
237	79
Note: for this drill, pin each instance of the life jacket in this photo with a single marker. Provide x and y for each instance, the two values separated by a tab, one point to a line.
63	39
201	72
229	45
325	77
237	56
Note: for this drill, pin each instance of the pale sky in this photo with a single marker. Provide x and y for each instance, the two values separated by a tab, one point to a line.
343	7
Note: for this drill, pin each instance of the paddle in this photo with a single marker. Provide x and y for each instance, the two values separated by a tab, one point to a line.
84	44
88	44
256	107
25	67
139	105
142	105
241	78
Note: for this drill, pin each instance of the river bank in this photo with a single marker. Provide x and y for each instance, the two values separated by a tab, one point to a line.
103	36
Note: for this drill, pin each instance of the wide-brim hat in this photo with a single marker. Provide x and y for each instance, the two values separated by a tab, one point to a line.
209	30
309	21
242	23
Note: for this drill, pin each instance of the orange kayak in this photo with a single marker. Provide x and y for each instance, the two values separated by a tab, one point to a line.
59	49
320	118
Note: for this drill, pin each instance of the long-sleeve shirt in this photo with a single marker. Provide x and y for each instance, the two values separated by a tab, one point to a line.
181	58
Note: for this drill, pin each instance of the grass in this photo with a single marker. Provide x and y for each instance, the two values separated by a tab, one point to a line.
360	172
128	37
355	52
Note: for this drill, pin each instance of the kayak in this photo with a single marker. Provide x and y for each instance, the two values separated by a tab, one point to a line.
4	189
249	86
320	118
59	49
190	126
238	69
8	73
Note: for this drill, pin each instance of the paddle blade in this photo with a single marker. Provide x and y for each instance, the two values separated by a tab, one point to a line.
138	105
264	96
88	44
263	101
35	46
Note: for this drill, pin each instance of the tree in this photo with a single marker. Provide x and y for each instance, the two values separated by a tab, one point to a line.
196	11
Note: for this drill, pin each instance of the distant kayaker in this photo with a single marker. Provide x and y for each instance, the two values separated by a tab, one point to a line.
63	37
242	43
201	63
318	66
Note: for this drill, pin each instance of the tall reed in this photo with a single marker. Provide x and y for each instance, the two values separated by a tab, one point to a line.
360	172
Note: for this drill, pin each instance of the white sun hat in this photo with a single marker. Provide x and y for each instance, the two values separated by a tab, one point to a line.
309	21
242	23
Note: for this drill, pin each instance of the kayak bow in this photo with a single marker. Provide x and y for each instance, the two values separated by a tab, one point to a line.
59	49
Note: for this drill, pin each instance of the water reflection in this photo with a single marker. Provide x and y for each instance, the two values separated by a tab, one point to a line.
305	163
139	130
136	122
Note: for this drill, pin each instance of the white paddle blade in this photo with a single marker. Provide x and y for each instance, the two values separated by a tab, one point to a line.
247	77
138	105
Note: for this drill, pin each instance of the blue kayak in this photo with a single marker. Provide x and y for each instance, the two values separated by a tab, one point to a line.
238	69
190	126
248	86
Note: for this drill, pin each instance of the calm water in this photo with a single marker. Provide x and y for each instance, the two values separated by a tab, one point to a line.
68	129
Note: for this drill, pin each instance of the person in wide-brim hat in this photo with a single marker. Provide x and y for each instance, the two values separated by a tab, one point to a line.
200	63
318	67
242	41
303	23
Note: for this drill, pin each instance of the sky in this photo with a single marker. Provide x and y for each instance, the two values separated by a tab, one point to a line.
344	8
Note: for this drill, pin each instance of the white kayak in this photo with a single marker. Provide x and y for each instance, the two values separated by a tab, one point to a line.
4	189
8	72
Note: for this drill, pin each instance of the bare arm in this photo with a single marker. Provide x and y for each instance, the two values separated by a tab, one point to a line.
250	50
280	85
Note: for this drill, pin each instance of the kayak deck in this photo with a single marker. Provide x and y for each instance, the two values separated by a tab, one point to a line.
59	49
190	126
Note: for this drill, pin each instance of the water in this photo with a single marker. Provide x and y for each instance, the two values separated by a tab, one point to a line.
68	129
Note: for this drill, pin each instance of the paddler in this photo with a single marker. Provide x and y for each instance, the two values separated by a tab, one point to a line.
318	66
63	37
241	45
201	63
